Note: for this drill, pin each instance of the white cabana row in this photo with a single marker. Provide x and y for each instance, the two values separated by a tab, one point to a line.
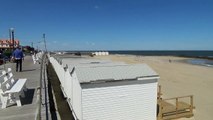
100	53
106	91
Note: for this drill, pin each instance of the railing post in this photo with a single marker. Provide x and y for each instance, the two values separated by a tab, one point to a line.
159	91
160	115
176	107
191	101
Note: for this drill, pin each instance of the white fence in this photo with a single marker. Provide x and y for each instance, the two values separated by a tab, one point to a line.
70	87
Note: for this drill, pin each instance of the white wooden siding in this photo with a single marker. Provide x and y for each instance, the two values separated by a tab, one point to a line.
77	97
129	102
58	69
68	86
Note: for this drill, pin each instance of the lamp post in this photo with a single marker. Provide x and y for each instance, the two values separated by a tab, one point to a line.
10	38
45	43
12	34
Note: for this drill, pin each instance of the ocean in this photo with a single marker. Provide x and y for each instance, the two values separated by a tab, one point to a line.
198	57
201	54
204	58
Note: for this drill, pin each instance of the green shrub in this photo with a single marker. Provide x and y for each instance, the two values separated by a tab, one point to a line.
8	53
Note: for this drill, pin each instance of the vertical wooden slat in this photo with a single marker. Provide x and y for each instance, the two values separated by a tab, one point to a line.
159	91
176	106
191	102
160	115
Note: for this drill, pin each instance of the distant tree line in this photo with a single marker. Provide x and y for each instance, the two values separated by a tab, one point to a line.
25	49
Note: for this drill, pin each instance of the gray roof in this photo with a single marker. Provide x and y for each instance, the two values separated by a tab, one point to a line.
116	72
88	62
92	70
83	61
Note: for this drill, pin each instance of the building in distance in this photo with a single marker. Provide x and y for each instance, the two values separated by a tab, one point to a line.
6	44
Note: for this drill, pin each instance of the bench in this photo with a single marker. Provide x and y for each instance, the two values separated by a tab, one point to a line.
2	77
11	89
35	59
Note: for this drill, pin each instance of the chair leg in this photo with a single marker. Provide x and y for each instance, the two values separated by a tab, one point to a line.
4	100
17	98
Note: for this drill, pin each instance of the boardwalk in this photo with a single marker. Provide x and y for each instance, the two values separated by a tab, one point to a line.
29	109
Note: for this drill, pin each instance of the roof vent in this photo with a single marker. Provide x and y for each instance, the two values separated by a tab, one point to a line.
94	62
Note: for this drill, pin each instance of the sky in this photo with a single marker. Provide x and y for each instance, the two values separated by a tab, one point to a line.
110	24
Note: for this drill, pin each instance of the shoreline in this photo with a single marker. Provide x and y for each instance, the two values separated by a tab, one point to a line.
186	59
183	56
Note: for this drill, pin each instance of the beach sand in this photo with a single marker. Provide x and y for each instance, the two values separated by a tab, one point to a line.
179	79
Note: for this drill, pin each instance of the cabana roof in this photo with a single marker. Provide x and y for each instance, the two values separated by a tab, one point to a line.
113	73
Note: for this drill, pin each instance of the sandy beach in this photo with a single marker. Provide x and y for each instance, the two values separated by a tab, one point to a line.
179	79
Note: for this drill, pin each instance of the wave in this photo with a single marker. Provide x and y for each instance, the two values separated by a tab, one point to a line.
203	62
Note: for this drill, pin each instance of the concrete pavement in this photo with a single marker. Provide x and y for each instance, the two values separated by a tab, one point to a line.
29	108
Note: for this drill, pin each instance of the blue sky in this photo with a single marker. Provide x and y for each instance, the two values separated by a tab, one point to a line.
110	24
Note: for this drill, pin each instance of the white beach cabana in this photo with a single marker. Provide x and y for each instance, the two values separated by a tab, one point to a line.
109	92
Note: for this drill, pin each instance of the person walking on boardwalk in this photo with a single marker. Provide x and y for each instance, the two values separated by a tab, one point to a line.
18	56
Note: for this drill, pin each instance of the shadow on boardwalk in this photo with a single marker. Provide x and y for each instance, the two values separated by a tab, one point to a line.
28	99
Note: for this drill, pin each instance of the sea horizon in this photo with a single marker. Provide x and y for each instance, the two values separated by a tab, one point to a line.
208	54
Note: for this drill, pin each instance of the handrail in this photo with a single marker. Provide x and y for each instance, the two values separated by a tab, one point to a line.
45	88
177	109
178	97
39	92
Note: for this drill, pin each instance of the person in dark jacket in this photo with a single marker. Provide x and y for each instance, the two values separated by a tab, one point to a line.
18	57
